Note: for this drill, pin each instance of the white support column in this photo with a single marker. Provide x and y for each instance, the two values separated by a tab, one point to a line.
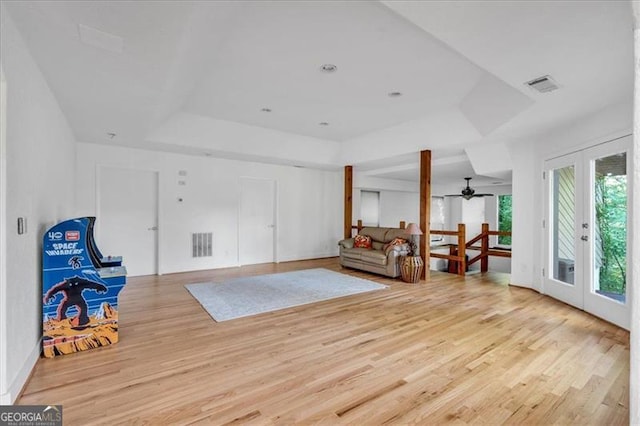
634	379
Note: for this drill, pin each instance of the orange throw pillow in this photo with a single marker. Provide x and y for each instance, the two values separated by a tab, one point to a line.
394	242
397	242
362	241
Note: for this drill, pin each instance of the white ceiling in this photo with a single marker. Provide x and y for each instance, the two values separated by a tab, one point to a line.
460	66
449	169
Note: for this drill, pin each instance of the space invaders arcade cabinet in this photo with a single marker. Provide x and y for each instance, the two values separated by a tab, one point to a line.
79	290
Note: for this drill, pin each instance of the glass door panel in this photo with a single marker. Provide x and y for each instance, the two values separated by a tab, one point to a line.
563	225
564	247
610	226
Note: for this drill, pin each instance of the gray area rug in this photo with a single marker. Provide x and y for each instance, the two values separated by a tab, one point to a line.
247	296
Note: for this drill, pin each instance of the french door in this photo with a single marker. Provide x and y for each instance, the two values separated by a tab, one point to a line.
586	227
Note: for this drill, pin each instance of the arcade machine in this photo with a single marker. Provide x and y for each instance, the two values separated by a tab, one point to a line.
80	290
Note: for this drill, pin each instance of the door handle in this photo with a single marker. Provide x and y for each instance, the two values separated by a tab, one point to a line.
153	228
271	226
584	238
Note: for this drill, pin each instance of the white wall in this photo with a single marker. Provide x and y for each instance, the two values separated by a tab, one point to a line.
396	199
397	206
233	140
309	204
399	199
40	187
525	197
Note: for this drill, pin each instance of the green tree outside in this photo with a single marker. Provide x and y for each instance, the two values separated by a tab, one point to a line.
611	229
504	218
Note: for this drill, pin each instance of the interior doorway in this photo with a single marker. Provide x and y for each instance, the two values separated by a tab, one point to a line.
586	227
127	221
256	221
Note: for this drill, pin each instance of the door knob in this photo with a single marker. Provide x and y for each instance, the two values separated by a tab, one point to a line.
153	228
584	238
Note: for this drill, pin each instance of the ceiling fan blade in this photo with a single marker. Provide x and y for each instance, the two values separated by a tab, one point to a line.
468	192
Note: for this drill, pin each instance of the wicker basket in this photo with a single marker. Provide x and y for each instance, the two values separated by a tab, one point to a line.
411	269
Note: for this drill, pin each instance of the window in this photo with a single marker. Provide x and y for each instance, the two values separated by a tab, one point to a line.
504	218
370	208
437	217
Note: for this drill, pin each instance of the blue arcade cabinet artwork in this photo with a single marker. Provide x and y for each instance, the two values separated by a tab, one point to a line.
79	290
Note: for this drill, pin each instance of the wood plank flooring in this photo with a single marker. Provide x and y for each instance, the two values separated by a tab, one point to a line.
458	350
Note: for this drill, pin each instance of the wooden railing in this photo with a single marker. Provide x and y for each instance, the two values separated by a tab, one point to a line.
485	251
454	254
459	256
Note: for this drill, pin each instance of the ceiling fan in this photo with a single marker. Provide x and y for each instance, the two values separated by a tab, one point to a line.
468	192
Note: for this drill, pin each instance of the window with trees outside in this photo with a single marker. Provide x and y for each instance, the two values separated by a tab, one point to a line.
504	218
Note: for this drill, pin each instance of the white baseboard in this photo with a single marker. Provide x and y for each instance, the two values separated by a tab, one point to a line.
307	256
14	389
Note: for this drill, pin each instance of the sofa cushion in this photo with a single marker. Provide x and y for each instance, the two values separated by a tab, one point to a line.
377	245
353	253
376	234
375	257
362	241
395	233
348	243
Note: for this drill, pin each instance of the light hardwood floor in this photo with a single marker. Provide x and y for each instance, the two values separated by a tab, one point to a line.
454	350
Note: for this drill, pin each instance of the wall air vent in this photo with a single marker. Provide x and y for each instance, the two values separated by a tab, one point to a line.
543	84
202	244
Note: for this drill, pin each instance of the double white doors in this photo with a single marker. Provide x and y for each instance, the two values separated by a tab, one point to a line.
586	251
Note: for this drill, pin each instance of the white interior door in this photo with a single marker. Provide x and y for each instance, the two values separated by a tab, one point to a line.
257	223
127	221
587	254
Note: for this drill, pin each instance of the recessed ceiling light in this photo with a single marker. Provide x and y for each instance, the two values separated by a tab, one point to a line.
328	68
323	123
394	94
266	110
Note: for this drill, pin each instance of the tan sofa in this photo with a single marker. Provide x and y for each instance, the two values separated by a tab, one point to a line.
375	259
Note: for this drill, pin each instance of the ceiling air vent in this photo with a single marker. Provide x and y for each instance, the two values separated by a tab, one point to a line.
543	84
